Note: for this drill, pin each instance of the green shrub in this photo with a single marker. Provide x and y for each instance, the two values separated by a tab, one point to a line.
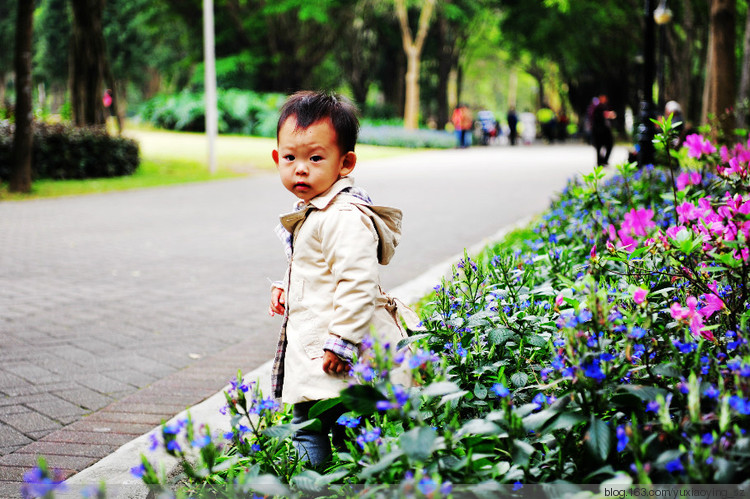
240	112
65	152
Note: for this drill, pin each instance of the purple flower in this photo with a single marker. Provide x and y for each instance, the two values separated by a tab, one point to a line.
653	406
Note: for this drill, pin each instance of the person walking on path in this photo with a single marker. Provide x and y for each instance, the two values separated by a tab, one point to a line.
512	126
335	239
463	122
601	131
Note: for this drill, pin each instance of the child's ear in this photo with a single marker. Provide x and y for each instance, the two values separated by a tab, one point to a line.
347	163
275	156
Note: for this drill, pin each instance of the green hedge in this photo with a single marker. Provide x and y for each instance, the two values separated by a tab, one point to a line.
63	152
240	112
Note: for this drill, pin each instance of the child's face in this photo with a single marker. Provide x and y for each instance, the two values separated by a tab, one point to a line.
309	160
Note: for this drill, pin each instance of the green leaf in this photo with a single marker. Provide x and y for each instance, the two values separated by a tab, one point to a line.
417	443
480	427
669	370
480	391
439	388
361	398
522	453
284	431
384	463
645	393
500	335
598	438
322	406
519	379
536	340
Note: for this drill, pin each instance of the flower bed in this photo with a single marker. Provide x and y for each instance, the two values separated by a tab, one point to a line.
606	344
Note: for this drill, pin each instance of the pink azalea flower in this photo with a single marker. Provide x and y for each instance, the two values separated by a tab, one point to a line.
713	304
682	181
639	295
698	145
687	211
592	253
638	221
559	300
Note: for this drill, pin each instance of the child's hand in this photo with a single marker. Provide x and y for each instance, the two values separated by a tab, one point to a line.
277	302
333	364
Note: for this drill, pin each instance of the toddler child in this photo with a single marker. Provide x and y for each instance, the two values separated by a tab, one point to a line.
335	239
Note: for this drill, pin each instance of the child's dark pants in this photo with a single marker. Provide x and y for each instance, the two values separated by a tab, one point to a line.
315	446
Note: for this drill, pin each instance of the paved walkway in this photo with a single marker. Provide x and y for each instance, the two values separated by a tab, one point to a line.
118	311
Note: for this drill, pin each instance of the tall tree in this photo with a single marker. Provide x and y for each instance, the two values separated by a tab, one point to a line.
743	96
23	138
89	67
413	49
7	29
721	88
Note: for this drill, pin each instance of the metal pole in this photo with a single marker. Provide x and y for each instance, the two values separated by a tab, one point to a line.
646	127
209	57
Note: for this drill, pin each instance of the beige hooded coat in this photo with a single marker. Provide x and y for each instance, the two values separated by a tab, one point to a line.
333	288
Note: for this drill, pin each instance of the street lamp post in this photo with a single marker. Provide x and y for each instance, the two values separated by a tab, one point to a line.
645	132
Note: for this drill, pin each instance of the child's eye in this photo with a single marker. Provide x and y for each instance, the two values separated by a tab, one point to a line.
289	157
316	158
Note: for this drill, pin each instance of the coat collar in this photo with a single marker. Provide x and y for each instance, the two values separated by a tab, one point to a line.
320	202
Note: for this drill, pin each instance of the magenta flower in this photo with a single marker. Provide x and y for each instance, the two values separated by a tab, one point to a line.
698	146
674	230
639	295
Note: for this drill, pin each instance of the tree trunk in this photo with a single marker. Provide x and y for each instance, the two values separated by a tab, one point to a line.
720	74
88	68
413	50
743	96
23	138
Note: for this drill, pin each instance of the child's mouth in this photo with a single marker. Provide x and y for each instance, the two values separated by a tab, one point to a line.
301	186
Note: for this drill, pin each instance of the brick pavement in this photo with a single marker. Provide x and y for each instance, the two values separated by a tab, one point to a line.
121	310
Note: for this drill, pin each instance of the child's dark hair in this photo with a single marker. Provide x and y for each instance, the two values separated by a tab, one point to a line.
309	107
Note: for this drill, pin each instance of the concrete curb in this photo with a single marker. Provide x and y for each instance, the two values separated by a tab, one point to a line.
114	470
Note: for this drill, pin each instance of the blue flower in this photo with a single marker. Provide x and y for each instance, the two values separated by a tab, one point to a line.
539	399
517	486
637	333
255	447
675	466
711	392
138	471
201	442
500	390
368	436
653	406
348	420
593	370
707	439
622	438
173	446
427	486
739	404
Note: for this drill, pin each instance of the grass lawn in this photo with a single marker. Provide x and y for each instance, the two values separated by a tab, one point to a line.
169	158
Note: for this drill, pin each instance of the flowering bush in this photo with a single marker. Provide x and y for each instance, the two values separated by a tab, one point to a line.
606	342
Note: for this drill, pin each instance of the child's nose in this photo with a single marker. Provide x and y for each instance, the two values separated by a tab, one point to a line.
301	168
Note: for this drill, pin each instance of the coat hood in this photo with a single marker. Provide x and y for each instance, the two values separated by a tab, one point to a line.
386	220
